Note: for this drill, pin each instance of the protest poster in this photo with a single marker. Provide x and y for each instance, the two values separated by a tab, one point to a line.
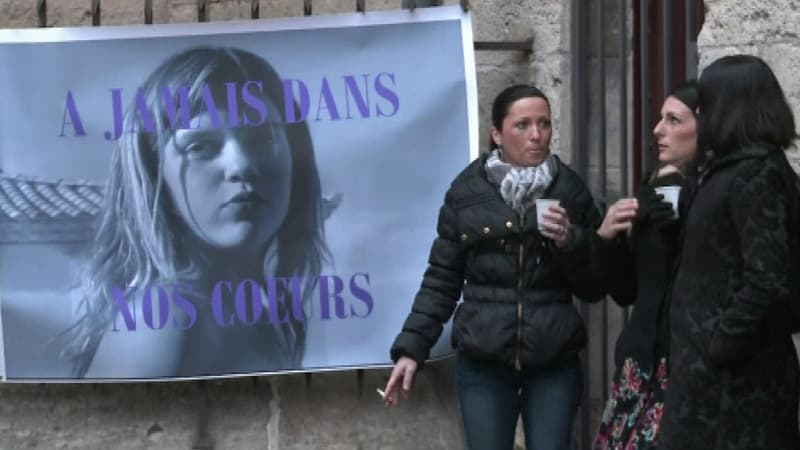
207	200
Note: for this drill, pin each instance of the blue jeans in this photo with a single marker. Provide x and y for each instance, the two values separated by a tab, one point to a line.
492	396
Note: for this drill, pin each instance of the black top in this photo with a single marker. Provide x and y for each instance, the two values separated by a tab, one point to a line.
636	270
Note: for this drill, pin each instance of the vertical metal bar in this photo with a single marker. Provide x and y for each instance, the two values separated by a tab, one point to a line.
623	112
360	6
601	86
148	11
202	10
578	89
411	4
41	12
307	10
601	89
465	5
255	11
666	39
644	83
623	96
691	42
579	56
95	13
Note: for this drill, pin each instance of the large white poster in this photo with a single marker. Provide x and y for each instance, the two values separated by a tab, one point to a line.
200	200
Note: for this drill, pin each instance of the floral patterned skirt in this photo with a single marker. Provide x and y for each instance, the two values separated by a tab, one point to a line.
632	415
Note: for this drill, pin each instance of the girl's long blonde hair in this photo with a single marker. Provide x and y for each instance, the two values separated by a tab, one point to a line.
140	236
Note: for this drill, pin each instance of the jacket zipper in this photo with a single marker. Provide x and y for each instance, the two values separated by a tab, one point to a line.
517	360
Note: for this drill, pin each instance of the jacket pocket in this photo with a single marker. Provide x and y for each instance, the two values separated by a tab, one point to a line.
485	330
551	332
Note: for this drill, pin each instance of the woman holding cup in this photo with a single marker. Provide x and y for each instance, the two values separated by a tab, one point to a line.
518	266
633	253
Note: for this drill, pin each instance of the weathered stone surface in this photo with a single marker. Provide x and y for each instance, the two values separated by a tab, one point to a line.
770	30
741	23
282	412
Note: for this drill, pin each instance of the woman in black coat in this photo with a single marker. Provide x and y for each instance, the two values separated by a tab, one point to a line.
633	253
517	332
733	366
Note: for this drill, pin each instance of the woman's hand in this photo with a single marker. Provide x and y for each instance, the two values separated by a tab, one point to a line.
555	226
619	218
402	377
667	169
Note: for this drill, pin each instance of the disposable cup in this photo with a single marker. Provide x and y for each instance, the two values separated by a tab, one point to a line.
671	195
542	205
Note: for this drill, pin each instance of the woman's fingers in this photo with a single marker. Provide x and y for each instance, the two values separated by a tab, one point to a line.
556	225
619	217
390	392
401	380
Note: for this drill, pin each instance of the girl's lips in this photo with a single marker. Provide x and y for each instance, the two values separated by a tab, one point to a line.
245	197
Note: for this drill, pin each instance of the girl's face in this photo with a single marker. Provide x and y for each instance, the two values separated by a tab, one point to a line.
676	133
526	132
231	186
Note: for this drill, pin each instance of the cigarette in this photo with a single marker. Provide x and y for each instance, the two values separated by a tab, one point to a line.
381	393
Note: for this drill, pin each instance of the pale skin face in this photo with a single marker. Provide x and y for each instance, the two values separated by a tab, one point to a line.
525	133
230	186
676	133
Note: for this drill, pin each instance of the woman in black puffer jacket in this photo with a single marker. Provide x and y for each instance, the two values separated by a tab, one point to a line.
517	332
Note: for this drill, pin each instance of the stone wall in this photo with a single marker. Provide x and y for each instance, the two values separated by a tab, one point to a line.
768	29
288	412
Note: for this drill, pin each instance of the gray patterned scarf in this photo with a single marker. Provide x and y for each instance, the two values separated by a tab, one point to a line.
520	186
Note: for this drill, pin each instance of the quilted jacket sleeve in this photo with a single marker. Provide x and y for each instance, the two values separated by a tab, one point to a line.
575	259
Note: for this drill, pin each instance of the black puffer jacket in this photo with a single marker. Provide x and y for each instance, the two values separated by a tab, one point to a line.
517	287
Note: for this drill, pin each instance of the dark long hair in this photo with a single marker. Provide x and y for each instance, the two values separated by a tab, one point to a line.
686	93
741	103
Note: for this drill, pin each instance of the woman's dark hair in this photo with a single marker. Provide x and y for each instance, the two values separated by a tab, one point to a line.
741	103
686	93
502	103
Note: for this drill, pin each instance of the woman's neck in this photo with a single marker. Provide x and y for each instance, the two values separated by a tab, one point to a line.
233	264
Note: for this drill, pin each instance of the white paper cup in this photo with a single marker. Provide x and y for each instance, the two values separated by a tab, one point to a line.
671	195
542	205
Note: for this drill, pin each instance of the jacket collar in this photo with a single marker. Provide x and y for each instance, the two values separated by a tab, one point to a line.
753	151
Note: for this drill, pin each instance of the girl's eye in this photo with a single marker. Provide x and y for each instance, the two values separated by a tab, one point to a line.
674	120
544	124
201	149
521	125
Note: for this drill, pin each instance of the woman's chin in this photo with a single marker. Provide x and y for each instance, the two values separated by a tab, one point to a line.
535	158
242	237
